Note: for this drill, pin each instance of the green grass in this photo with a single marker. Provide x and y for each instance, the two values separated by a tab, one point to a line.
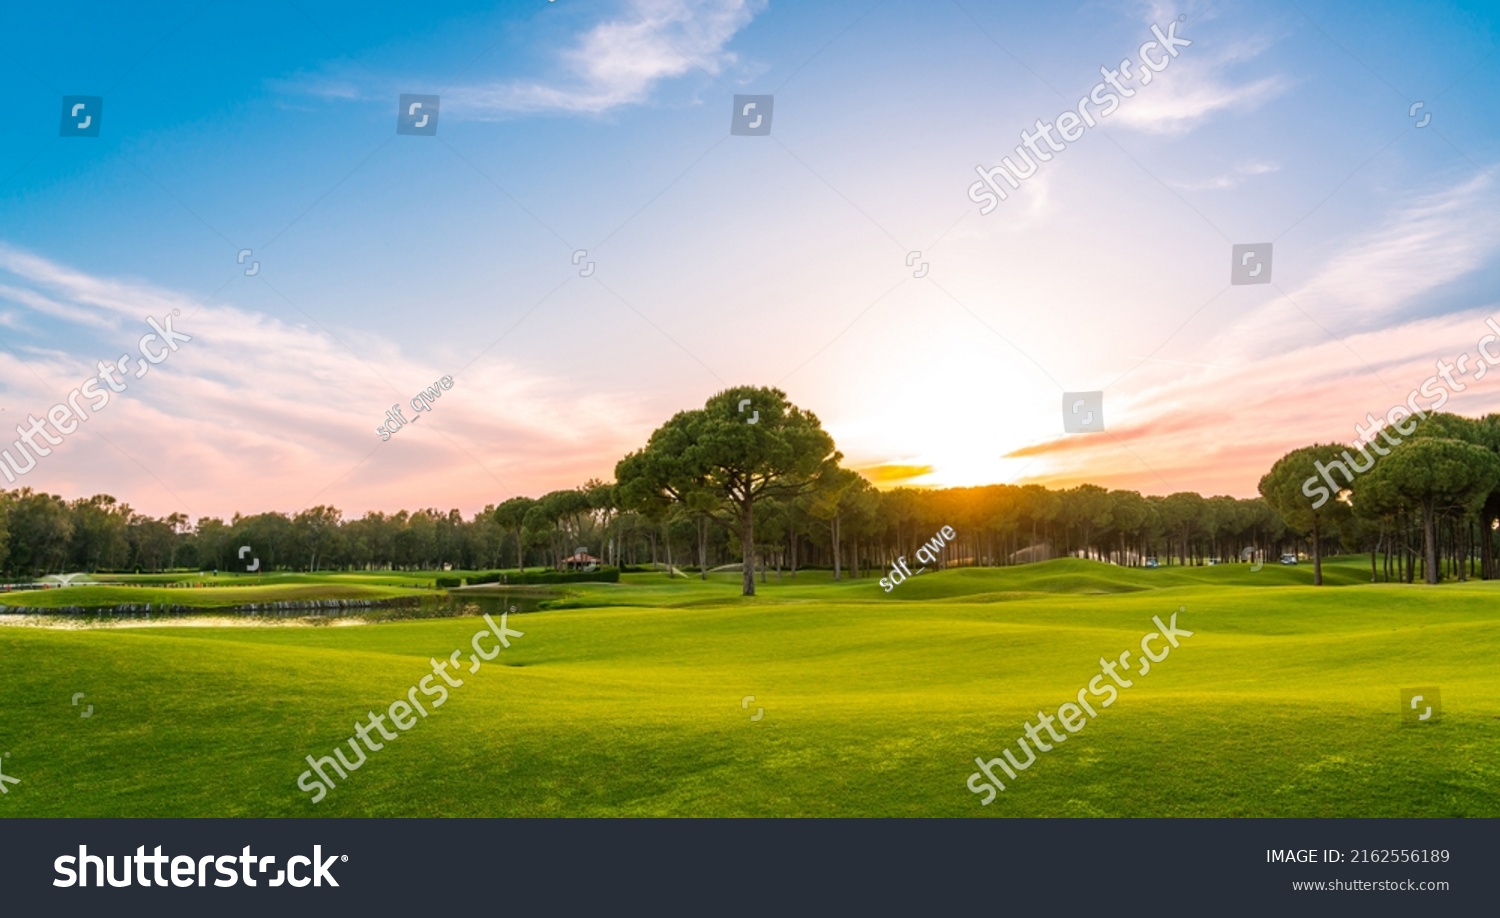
627	701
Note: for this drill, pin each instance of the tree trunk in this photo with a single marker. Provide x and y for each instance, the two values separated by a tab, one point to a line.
1317	547
837	568
702	548
1429	544
1486	550
1463	551
747	548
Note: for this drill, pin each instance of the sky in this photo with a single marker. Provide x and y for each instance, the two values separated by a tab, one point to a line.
584	249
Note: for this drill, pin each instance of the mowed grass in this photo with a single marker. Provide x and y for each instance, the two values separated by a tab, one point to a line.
629	701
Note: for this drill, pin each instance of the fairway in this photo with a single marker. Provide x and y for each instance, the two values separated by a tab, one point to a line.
630	700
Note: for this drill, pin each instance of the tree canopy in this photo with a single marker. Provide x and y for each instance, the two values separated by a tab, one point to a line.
1304	507
745	446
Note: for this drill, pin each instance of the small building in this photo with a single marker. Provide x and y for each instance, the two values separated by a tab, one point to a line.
580	560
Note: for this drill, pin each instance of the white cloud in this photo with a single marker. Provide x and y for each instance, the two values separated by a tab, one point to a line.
1433	240
1197	85
36	302
620	61
256	413
1377	282
1232	179
1179	102
327	86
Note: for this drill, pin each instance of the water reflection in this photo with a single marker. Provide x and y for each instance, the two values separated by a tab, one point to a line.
459	604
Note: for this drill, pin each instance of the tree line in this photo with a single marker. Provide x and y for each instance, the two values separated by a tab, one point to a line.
1422	497
711	488
854	529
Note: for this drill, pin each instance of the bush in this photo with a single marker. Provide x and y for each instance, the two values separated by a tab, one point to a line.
603	575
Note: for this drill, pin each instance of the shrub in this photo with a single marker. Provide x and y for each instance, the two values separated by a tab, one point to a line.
603	575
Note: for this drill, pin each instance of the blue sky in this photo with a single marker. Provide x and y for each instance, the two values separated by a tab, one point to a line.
388	261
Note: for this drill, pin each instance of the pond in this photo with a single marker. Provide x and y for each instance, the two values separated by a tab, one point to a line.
458	604
471	602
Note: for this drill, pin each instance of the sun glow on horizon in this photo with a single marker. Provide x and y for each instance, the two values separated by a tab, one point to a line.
952	471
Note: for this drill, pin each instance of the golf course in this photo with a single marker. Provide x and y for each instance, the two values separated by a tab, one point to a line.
681	697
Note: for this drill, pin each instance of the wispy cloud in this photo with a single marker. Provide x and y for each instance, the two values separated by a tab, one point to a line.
1278	373
1428	242
1187	99
1191	428
37	303
329	85
893	473
620	60
1198	85
255	399
1232	179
